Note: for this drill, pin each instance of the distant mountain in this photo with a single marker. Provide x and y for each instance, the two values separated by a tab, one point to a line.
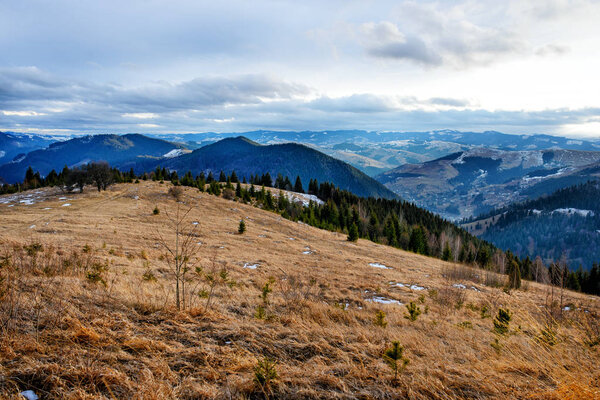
565	222
377	152
119	151
472	182
16	145
290	159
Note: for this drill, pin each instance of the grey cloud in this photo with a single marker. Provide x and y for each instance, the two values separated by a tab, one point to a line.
412	48
426	36
31	86
552	49
448	101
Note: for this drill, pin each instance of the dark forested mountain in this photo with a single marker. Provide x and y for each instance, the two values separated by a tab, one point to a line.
468	183
120	151
16	145
246	158
566	222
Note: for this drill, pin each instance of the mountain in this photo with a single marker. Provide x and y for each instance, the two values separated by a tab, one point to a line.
119	151
565	222
289	159
15	145
468	183
377	152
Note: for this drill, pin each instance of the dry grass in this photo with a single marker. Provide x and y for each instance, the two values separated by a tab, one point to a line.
115	334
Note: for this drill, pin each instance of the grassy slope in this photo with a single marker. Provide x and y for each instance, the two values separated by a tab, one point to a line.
123	342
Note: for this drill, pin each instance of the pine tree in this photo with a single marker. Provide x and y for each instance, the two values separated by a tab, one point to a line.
238	190
447	254
514	275
298	185
394	358
222	177
353	233
242	227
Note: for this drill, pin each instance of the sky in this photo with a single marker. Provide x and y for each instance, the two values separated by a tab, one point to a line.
154	66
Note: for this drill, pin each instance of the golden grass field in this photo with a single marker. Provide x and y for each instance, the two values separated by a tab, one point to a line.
71	338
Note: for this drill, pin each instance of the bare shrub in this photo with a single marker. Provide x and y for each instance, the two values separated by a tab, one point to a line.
176	192
180	251
460	272
451	298
297	290
228	194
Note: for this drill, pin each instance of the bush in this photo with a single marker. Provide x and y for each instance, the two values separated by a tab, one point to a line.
264	374
176	192
156	211
413	311
380	319
502	320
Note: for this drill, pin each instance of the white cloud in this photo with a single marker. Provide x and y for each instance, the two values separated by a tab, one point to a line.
22	113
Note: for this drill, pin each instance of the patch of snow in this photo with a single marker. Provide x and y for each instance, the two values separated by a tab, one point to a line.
262	236
47	208
11	205
459	286
383	300
536	212
136	197
195	223
475	289
66	205
27	202
62	198
292	238
573	211
378	265
251	266
32	226
199	243
417	287
308	252
566	308
29	395
173	153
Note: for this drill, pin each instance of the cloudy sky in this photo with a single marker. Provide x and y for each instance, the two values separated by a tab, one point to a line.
193	66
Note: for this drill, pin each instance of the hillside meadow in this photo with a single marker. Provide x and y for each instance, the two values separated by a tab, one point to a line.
88	310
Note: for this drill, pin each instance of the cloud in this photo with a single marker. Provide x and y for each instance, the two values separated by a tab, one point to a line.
356	103
552	49
433	36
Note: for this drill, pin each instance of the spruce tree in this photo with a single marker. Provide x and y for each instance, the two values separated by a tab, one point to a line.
242	227
298	185
353	233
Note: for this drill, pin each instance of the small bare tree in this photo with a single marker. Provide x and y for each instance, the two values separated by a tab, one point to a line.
180	253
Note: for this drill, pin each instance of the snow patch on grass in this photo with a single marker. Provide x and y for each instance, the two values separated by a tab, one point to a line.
379	265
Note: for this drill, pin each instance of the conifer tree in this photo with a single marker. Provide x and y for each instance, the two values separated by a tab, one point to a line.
242	227
353	233
298	185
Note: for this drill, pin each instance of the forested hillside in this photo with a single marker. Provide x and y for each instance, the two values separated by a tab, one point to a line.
564	225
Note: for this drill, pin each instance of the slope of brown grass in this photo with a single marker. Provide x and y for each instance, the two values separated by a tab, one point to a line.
69	337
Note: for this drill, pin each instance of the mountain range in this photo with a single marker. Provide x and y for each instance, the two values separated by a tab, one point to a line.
468	183
121	151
